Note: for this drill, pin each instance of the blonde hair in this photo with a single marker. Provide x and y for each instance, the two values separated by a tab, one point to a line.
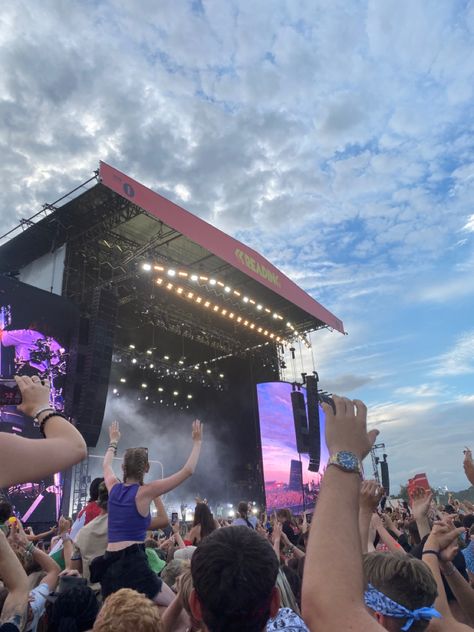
128	610
135	464
404	579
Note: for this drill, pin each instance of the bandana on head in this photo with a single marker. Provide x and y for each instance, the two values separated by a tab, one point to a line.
377	601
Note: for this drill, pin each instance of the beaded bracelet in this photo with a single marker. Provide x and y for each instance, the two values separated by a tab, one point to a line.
47	418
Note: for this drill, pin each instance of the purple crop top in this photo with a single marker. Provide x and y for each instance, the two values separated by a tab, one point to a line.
125	522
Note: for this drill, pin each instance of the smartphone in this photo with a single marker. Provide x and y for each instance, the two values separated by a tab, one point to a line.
174	517
309	517
9	393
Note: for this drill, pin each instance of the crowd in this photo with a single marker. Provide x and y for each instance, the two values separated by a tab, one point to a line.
360	565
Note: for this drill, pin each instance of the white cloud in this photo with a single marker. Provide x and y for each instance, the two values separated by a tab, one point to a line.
469	225
460	359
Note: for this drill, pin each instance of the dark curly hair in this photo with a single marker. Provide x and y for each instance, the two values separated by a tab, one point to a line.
203	517
74	610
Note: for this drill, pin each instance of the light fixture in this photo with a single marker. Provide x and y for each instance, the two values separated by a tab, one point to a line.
259	307
146	267
149	351
115	391
160	389
152	366
144	385
131	346
171	273
245	299
190	396
194	277
123	380
134	360
175	393
212	282
166	357
208	371
221	375
227	289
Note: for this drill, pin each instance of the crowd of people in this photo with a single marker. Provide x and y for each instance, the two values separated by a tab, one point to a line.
360	565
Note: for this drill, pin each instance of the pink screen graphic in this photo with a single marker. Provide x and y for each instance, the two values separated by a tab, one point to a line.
288	482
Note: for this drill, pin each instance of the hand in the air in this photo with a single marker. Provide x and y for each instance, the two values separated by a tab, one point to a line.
421	502
197	430
371	494
34	394
114	432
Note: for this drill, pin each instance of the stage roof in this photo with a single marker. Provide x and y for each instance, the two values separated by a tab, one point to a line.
120	210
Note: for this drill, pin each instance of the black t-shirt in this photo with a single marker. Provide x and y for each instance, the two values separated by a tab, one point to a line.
290	534
9	627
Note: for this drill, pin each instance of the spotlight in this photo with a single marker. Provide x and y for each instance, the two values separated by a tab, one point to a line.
171	273
123	380
190	396
115	391
149	351
227	289
180	361
166	357
208	371
175	393
131	346
146	267
144	385
134	360
152	366
146	398
194	277
245	299
160	389
221	375
212	281
259	307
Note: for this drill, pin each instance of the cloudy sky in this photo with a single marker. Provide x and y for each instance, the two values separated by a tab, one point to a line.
334	137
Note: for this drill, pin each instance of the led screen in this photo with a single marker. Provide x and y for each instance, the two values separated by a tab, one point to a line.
35	333
288	482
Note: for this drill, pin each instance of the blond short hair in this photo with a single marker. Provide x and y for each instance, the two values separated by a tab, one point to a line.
128	610
404	579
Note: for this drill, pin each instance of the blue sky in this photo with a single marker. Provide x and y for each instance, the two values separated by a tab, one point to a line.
334	137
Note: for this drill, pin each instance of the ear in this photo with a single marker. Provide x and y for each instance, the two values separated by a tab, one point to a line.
195	605
275	602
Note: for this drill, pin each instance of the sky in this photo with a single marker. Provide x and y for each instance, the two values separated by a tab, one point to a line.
333	137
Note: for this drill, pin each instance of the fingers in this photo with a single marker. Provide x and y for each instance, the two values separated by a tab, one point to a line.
372	435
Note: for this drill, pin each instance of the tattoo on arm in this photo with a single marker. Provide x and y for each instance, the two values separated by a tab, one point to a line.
15	613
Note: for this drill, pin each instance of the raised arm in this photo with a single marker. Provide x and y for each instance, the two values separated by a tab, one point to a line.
114	435
161	520
333	582
14	578
370	496
44	561
442	538
422	500
469	465
157	488
23	459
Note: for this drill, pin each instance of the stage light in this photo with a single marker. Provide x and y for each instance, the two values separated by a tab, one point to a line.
246	322
146	267
198	299
237	293
255	511
149	351
221	375
144	385
183	274
159	268
239	319
161	401
160	389
224	312
131	346
275	316
180	290
252	326
196	367
231	513
166	357
206	304
152	366
171	273
259	330
159	281
147	398
269	311
123	380
259	307
208	371
194	277
220	283
115	391
204	278
190	294
216	308
190	396
227	289
245	299
175	393
134	360
212	281
252	301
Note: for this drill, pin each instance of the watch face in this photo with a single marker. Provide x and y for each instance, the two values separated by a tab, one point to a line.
348	461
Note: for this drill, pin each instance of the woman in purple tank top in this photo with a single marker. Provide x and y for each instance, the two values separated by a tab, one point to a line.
125	564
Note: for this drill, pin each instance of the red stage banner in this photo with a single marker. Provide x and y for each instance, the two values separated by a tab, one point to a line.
215	241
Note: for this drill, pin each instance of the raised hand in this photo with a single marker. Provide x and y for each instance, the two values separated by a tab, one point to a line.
443	536
421	505
467	455
197	430
34	394
114	432
371	494
347	428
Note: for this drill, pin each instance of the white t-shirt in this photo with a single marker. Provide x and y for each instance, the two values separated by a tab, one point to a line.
37	604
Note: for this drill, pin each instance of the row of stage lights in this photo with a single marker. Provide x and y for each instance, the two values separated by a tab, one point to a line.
199	278
148	398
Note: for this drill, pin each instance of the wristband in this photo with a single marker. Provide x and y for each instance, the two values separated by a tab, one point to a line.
56	413
66	537
39	412
113	447
431	552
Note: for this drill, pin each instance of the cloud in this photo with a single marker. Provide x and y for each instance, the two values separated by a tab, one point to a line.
469	225
460	359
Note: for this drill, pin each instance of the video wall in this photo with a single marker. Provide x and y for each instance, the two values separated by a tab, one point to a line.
288	482
36	328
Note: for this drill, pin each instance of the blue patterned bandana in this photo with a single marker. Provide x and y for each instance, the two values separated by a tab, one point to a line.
378	602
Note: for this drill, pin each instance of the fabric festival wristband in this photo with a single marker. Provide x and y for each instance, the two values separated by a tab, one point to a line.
431	552
47	418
